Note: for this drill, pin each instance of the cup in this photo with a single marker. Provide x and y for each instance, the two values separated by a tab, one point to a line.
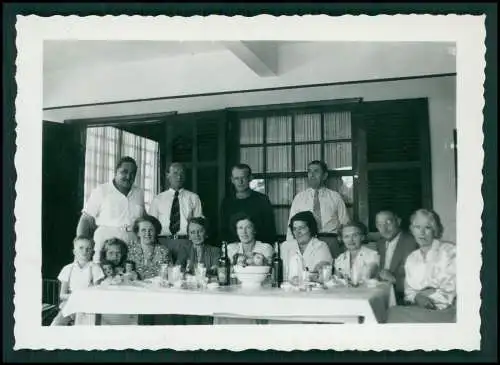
174	274
164	274
326	273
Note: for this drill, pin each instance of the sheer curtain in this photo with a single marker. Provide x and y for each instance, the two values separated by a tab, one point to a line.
106	145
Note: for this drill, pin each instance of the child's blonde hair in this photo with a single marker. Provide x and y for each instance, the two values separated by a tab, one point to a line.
79	238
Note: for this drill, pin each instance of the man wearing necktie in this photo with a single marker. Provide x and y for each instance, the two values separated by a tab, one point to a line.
173	208
393	248
327	206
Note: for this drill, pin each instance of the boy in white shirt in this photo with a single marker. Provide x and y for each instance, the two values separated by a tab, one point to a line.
81	273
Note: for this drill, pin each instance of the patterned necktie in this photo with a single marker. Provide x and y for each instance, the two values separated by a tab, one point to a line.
175	215
317	209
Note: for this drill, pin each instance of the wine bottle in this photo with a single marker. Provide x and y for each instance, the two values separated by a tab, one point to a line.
224	267
277	268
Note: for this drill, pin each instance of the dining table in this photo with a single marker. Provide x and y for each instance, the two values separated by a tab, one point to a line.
342	304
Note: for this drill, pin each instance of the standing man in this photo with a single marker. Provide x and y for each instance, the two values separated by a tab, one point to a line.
113	207
252	203
327	206
173	208
393	248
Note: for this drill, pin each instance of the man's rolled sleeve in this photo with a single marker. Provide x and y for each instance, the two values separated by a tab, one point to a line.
93	205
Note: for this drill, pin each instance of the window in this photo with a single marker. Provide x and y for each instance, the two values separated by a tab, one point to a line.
279	145
106	145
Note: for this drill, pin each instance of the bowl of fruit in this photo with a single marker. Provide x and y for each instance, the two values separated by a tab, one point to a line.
251	273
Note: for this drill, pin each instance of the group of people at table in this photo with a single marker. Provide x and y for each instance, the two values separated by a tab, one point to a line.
117	237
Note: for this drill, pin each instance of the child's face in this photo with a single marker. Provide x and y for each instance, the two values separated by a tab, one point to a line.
83	249
114	254
129	267
258	259
108	270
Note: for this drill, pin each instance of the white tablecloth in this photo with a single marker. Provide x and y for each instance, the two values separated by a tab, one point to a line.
369	303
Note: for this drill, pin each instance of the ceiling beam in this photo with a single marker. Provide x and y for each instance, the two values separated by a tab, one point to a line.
261	57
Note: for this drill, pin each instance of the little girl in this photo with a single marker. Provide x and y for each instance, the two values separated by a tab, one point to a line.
79	274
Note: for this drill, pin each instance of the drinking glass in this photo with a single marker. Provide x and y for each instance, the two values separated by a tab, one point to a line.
326	273
174	274
164	274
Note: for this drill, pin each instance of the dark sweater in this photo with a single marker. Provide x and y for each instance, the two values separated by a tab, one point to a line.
258	207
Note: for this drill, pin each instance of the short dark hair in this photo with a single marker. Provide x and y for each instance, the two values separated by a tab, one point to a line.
147	218
126	159
356	224
240	216
202	221
308	218
242	166
114	242
321	164
106	262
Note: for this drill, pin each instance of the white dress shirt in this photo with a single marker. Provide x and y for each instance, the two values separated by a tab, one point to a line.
189	206
390	246
437	270
110	208
333	209
364	260
294	261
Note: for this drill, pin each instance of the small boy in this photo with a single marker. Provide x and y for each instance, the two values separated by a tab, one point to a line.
79	274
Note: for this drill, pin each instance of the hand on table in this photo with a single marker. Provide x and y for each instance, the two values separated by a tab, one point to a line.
386	275
424	301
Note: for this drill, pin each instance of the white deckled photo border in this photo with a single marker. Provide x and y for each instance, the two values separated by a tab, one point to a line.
467	31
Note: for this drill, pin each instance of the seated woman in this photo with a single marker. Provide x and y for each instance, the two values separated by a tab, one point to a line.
115	251
146	252
200	251
245	230
305	250
430	283
358	262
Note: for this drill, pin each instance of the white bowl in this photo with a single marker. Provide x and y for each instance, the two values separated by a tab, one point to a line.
251	276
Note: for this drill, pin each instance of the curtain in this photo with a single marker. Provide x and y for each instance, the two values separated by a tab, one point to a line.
106	145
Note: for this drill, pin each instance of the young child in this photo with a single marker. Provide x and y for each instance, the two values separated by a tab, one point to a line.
109	272
130	271
79	274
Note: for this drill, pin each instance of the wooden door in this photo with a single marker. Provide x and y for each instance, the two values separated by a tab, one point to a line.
63	165
198	141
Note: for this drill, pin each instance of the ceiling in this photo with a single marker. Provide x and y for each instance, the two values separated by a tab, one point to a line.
59	55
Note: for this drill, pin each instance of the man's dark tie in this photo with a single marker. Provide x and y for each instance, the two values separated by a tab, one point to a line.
175	215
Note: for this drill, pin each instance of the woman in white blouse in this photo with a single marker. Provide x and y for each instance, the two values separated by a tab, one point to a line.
430	283
358	263
248	245
304	250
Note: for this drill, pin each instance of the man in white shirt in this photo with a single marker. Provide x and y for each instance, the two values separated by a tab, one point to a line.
327	206
113	207
173	208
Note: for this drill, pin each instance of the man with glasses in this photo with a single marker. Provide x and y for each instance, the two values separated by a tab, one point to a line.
393	248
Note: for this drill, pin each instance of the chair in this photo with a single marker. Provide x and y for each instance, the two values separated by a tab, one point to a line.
50	300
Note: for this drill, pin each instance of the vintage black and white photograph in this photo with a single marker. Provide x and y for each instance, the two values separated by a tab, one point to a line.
271	185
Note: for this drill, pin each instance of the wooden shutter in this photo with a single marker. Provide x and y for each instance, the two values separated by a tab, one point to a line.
393	158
